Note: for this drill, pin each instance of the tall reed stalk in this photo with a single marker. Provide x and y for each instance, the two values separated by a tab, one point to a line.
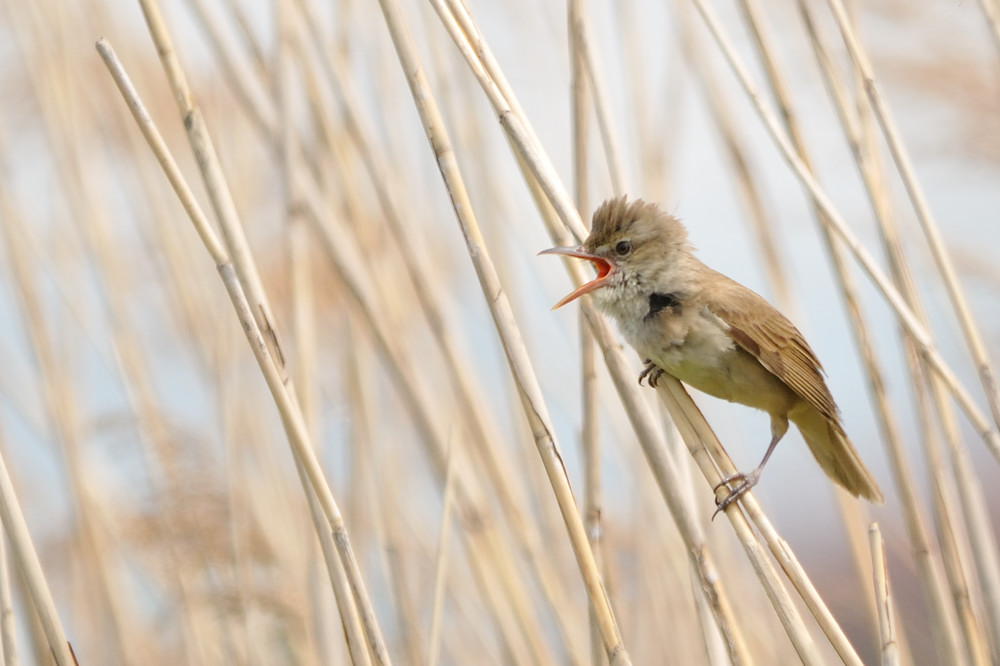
281	383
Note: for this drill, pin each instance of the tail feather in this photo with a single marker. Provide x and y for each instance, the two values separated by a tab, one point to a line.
836	455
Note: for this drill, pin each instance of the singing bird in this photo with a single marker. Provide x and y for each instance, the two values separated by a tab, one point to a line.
713	334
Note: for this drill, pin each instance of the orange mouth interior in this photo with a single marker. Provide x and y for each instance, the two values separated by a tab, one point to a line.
603	271
602	266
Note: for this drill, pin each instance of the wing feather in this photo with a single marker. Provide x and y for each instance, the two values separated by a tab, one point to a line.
775	342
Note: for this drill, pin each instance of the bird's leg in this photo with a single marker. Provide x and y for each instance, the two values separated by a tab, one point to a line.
779	426
651	373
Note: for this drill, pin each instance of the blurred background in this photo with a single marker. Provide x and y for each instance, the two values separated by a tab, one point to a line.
147	453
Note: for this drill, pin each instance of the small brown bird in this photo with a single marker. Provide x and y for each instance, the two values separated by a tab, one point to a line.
712	333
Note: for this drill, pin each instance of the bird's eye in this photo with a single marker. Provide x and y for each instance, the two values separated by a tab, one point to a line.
623	247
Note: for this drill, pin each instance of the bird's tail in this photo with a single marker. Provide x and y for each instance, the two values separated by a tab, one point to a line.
836	455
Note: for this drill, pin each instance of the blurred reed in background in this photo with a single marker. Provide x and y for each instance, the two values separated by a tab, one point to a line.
413	460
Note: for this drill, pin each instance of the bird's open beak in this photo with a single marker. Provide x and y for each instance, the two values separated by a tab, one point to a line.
602	265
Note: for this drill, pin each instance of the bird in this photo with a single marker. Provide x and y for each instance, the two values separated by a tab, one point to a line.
713	334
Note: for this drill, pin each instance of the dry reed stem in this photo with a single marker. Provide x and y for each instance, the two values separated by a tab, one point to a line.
464	33
11	516
39	648
928	222
591	444
583	68
649	436
299	438
991	10
225	208
739	160
62	416
967	485
708	452
484	438
56	92
779	548
973	506
715	646
987	559
305	339
680	403
520	364
583	56
491	558
670	486
539	167
910	321
748	189
242	21
255	101
792	568
8	635
364	424
162	153
530	538
216	185
31	572
926	554
590	439
441	564
132	367
880	582
766	47
385	509
955	559
261	342
891	294
128	360
519	596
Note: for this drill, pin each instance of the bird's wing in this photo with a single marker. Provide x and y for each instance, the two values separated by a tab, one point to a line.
775	342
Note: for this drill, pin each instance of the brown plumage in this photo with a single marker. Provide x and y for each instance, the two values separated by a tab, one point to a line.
713	334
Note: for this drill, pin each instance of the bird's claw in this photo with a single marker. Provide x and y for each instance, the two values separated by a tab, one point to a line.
746	482
651	373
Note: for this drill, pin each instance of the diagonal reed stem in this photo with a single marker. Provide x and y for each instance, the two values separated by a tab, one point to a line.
503	318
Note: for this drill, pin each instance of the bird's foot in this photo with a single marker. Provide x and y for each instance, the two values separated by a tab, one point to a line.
744	483
651	373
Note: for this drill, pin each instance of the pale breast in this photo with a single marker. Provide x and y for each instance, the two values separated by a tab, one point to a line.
694	346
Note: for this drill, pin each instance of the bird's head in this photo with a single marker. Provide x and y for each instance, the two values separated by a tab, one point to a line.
630	243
